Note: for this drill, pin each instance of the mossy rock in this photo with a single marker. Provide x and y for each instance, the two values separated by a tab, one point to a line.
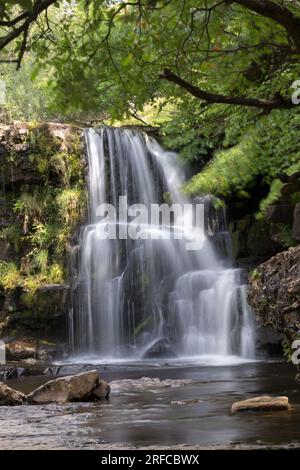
259	242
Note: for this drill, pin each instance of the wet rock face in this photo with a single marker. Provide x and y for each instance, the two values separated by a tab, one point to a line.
17	141
268	341
14	141
251	240
18	350
280	213
10	397
47	317
274	292
33	351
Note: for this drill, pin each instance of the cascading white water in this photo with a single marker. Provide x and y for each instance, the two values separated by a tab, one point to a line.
146	297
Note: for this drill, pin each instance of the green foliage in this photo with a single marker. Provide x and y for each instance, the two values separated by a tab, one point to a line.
269	146
26	97
114	65
287	350
284	235
192	132
70	204
272	197
12	235
45	214
256	275
9	275
51	157
29	208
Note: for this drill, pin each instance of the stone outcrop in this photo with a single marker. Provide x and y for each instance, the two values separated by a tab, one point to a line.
43	185
10	397
263	403
251	241
33	351
268	341
18	350
47	316
280	213
255	240
14	142
17	139
274	292
80	387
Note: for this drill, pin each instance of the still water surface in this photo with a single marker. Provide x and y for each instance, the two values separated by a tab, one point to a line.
137	416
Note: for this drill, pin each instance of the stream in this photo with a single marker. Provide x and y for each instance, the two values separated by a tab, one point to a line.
196	414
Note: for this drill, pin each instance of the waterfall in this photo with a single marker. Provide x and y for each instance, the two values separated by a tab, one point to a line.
146	297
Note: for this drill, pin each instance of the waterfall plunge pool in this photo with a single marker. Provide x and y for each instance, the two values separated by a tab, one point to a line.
196	415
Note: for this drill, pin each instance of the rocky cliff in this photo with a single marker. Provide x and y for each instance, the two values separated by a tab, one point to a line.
42	204
274	293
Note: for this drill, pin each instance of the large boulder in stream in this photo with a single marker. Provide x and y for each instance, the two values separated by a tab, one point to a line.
10	397
86	386
263	403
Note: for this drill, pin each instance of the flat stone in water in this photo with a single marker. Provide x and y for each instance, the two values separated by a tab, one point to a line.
263	403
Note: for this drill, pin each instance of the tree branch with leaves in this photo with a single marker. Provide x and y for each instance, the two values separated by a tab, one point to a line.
15	22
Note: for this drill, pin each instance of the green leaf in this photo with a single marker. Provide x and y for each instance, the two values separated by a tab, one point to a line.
128	60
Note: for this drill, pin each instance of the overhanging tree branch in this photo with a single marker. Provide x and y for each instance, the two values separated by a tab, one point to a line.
278	13
278	102
29	17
